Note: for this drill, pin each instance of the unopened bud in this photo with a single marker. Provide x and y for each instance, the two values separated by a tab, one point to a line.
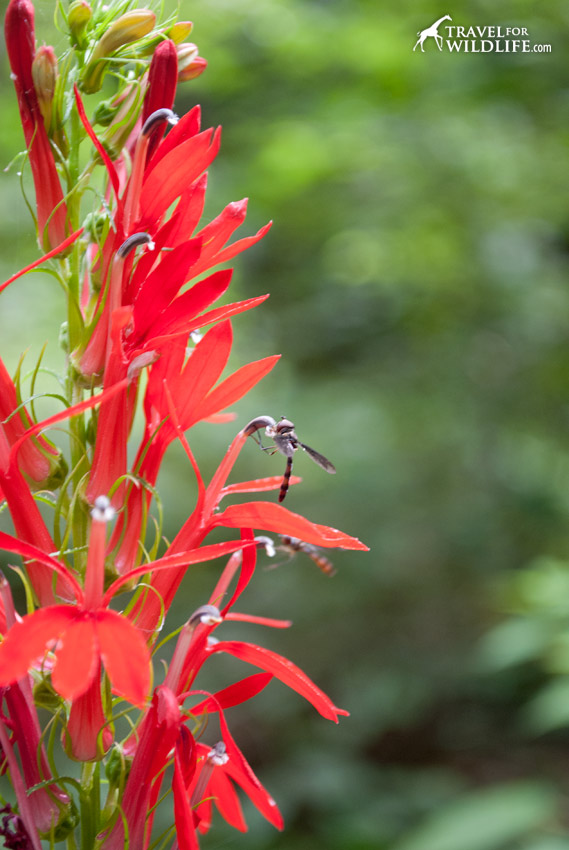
162	80
106	112
126	107
127	29
45	73
180	31
190	65
78	19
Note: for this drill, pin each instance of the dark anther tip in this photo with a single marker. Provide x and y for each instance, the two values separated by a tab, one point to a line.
133	242
156	118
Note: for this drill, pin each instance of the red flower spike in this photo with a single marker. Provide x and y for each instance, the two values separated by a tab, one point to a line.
20	43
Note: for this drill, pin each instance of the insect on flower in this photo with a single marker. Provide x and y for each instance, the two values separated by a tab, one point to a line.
287	443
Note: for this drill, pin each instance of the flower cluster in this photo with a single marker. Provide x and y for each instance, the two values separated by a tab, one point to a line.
139	274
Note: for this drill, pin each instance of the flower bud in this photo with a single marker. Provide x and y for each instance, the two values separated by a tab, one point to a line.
78	19
127	107
162	81
45	73
130	27
190	65
180	31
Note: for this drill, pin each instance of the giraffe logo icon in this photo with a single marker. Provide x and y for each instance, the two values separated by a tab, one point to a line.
432	31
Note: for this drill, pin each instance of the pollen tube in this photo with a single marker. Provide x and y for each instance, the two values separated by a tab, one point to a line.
207	615
139	163
101	514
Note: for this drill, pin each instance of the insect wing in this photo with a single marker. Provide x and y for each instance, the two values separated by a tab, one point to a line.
319	459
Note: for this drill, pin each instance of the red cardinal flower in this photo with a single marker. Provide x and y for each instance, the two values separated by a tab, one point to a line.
83	635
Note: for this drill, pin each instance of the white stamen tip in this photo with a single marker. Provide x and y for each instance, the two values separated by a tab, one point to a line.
102	510
208	615
267	543
217	755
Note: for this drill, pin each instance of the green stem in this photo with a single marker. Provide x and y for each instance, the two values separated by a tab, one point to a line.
78	448
90	805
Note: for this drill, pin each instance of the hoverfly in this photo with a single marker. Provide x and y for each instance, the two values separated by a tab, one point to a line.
293	545
287	443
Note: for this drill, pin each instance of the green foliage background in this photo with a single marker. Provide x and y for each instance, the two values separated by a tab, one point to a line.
419	278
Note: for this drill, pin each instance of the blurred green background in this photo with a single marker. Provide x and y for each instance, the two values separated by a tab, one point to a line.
419	277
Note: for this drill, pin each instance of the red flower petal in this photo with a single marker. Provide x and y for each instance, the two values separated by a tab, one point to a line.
271	622
206	363
273	517
180	559
188	212
192	302
247	568
257	485
240	771
216	233
234	694
28	551
180	167
125	656
173	322
282	669
69	412
226	254
187	126
183	816
26	640
77	658
226	800
53	253
163	284
235	387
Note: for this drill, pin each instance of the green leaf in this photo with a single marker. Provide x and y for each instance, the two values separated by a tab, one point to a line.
485	820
